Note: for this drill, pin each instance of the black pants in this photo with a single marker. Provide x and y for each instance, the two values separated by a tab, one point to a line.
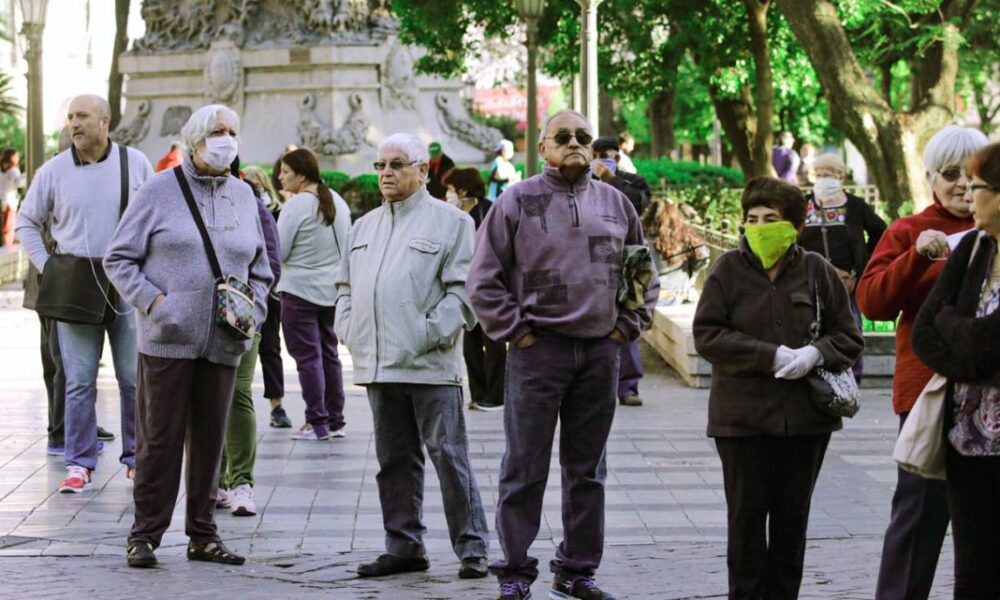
486	362
769	483
179	401
55	380
270	351
913	540
974	498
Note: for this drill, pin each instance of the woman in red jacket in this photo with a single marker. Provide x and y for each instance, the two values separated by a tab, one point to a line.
897	280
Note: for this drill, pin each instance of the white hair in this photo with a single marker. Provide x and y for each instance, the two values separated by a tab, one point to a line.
951	146
565	111
408	144
202	122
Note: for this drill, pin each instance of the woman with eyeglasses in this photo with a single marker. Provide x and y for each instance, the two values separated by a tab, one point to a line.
955	335
906	263
313	230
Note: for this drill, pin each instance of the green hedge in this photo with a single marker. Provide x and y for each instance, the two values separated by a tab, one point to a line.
665	172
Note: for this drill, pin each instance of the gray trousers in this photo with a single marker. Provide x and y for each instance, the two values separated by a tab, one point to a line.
556	380
407	417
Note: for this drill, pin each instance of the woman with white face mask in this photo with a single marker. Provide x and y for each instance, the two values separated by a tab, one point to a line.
188	356
841	227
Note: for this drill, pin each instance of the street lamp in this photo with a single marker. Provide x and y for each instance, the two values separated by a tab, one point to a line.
33	24
588	60
531	11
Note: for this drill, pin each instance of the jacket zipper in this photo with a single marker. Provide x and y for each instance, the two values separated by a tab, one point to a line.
378	275
211	316
576	210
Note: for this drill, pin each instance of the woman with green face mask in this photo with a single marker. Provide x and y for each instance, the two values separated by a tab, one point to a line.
753	324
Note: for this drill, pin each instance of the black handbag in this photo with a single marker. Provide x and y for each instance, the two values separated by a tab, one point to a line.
75	289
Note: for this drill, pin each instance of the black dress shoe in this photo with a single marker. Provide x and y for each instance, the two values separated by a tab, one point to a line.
104	435
388	564
140	555
473	568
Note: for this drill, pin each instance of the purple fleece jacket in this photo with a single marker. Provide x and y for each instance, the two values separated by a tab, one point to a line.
548	258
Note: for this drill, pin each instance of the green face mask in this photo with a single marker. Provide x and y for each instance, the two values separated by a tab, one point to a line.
770	241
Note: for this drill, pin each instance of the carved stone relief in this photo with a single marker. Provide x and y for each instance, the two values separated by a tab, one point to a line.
319	136
136	130
174	119
224	75
458	123
399	87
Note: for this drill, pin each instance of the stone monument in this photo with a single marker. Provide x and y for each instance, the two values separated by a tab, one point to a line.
329	75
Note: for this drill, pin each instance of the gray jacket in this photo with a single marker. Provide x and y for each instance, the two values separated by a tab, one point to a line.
157	250
401	302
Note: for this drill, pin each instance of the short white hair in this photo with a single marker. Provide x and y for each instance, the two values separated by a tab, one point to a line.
951	145
202	122
565	111
408	144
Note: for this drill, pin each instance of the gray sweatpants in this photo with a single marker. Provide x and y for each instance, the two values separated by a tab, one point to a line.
407	416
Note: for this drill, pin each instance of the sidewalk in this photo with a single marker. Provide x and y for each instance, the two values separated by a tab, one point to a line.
319	513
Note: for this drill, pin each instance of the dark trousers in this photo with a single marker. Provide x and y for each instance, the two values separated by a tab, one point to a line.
485	361
974	497
572	382
55	380
769	484
407	417
180	403
270	351
630	371
312	343
913	540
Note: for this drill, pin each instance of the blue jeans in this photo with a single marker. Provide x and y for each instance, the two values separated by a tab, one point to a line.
81	347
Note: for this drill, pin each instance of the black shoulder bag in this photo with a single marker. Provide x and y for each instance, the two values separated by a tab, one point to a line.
234	300
75	289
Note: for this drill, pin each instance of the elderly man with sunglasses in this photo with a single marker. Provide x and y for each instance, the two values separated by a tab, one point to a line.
545	278
401	308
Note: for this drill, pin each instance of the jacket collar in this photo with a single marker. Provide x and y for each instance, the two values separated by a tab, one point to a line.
206	181
554	180
405	206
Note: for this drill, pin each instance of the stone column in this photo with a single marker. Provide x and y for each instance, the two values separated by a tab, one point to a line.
588	61
35	142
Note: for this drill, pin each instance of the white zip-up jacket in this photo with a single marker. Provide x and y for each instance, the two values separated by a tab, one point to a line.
401	301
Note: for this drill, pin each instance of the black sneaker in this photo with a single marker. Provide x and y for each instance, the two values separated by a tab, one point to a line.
387	564
473	568
579	588
140	555
630	400
104	435
279	419
514	590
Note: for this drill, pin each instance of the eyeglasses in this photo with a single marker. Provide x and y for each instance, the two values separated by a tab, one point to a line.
982	186
563	137
395	165
952	174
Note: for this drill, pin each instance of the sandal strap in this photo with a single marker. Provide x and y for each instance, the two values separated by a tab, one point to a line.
215	549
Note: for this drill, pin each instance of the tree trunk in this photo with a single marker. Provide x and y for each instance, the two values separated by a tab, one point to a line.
889	141
885	70
115	78
661	123
736	116
760	148
606	114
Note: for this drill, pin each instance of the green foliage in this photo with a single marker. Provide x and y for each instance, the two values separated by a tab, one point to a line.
717	205
8	104
667	172
361	193
335	180
12	133
506	125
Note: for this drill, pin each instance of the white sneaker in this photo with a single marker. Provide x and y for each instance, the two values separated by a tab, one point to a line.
339	433
222	499
242	500
306	432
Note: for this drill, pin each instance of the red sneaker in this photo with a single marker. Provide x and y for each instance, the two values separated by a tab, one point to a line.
77	480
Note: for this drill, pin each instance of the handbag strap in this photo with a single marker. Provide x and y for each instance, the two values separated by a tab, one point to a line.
817	325
193	207
123	162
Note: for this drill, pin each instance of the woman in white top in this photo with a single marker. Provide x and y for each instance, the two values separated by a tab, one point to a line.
312	228
10	180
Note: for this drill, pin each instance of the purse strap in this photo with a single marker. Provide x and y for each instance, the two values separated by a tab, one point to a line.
816	327
123	161
193	207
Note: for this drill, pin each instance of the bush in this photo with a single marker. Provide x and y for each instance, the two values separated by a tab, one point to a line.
665	172
361	194
715	204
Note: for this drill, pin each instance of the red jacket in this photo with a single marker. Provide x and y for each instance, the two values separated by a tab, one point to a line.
170	160
898	280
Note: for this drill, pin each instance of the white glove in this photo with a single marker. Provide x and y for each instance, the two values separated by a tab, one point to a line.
805	359
782	357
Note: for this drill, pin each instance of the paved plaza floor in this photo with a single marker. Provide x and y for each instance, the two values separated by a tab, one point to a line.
319	511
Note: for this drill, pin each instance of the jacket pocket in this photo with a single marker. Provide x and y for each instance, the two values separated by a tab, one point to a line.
179	319
424	264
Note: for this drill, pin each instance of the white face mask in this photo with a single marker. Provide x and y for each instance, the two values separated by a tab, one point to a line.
827	188
219	152
453	199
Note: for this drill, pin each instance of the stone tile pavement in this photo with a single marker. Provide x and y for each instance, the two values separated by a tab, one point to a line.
319	513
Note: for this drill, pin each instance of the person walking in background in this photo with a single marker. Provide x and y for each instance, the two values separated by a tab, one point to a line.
902	270
626	146
160	263
270	332
439	166
841	227
313	232
770	436
502	171
785	159
401	306
11	180
239	454
955	335
485	359
171	159
79	195
545	278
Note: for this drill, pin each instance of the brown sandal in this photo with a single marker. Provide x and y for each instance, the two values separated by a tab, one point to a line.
214	552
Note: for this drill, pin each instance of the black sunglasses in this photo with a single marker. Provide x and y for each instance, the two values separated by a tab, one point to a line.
582	136
952	174
982	186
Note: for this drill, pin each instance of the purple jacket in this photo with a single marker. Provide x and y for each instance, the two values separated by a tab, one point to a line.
270	239
548	257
